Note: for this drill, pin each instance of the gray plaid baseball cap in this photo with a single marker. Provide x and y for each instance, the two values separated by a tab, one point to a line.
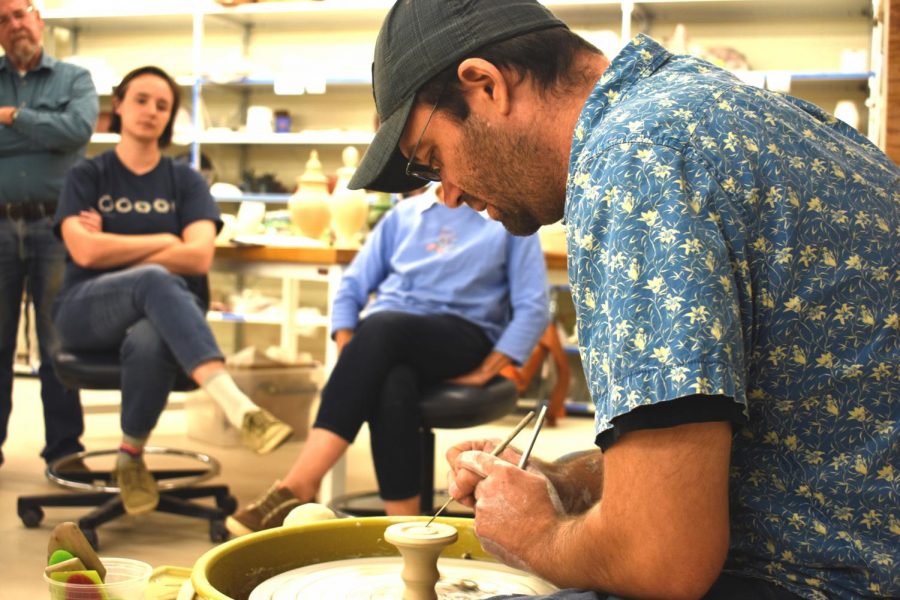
419	39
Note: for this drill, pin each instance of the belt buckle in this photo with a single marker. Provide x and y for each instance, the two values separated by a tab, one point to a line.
14	211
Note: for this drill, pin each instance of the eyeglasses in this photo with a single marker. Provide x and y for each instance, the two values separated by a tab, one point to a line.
18	15
414	169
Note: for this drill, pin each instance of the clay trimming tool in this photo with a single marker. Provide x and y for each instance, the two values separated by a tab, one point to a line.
496	451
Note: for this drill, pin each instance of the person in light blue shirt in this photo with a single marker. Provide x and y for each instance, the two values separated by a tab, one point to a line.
456	298
47	113
733	259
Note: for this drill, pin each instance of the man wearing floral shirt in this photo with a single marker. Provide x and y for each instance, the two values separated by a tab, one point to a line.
733	261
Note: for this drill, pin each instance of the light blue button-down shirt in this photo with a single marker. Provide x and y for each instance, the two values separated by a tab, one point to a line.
730	241
424	258
57	110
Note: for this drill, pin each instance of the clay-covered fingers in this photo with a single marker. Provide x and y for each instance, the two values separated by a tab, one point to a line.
464	477
513	509
509	454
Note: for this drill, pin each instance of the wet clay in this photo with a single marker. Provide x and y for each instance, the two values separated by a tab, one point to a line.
420	545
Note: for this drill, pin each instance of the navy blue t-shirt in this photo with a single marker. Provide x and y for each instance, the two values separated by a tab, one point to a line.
164	200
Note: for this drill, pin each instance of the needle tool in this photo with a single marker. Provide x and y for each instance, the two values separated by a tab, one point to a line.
534	434
495	452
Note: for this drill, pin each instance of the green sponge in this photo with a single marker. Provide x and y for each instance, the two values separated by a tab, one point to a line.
59	555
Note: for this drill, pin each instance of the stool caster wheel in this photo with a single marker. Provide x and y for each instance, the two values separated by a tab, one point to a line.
31	516
217	531
228	504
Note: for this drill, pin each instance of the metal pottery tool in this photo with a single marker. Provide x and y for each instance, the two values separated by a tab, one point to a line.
534	434
496	451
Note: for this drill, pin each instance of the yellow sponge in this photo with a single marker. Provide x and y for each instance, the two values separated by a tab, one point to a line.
86	577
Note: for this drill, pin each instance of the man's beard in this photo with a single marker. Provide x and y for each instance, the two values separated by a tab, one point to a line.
513	172
23	51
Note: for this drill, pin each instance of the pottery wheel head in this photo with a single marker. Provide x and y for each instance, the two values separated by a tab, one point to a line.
419	534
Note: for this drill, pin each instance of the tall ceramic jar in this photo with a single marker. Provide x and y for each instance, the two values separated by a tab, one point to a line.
349	208
309	208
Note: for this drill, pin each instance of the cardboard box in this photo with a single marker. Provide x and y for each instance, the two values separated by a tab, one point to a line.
286	392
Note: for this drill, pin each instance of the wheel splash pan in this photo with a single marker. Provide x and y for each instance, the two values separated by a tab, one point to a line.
233	569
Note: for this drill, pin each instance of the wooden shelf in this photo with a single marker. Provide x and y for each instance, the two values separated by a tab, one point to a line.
308	138
755	10
327	256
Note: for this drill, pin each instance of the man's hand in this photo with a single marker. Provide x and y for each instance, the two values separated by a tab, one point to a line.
462	481
516	513
91	221
6	113
657	485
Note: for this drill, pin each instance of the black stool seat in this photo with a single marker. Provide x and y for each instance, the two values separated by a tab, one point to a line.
95	488
100	371
454	406
447	406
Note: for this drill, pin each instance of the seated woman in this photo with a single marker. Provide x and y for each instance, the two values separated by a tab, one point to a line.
140	232
457	298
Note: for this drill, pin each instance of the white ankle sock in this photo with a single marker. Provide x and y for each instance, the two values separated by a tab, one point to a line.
225	392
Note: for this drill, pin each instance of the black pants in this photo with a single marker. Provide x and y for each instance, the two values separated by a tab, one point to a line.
726	587
379	378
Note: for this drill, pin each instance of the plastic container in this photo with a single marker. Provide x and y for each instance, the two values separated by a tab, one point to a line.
126	579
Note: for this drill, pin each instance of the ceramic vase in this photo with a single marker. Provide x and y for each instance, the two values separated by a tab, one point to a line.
846	111
349	208
309	208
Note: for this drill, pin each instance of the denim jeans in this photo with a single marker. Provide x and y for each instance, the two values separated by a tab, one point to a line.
155	323
30	255
379	377
726	587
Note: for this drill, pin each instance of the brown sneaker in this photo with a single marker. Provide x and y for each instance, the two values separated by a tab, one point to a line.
262	432
74	465
266	512
137	487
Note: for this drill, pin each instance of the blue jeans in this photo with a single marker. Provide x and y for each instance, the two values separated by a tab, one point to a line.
30	255
727	587
155	323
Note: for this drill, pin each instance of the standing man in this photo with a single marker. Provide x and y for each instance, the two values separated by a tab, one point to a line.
47	113
733	259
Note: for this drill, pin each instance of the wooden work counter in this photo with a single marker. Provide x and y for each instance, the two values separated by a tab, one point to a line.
322	256
306	255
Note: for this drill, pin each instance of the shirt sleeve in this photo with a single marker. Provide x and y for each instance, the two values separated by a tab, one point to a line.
654	283
197	204
528	295
689	409
64	123
80	189
365	273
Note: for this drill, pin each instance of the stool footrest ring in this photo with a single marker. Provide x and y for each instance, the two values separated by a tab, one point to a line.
101	481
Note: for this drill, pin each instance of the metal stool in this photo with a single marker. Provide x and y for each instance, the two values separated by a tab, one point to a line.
178	487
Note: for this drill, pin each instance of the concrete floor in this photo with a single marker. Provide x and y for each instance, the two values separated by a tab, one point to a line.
169	540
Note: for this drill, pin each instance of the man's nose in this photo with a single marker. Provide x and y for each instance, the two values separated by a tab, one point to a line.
452	195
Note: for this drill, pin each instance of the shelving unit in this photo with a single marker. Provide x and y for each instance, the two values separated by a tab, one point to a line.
232	58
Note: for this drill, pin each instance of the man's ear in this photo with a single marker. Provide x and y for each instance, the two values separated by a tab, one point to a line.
484	85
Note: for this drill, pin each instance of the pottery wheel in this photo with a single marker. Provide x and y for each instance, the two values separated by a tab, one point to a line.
379	578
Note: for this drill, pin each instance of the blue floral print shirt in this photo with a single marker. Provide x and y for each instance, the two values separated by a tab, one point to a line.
730	241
